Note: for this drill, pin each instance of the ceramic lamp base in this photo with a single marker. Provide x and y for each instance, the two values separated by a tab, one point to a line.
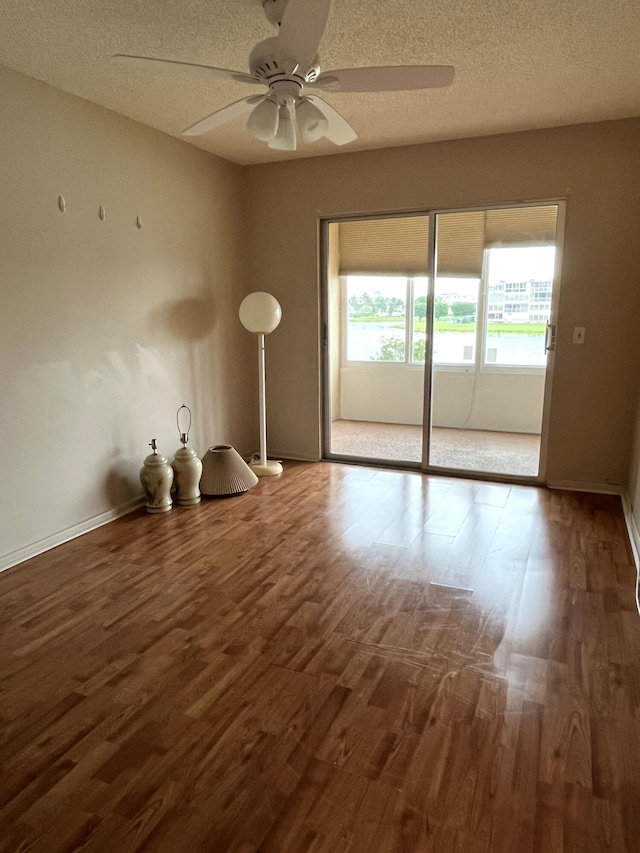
188	501
269	469
187	470
156	477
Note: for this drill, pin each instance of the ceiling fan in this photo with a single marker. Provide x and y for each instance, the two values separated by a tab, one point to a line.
288	65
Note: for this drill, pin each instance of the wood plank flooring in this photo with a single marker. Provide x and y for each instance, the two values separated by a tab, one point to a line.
342	659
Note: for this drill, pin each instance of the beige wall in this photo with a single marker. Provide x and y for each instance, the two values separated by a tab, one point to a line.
596	167
105	329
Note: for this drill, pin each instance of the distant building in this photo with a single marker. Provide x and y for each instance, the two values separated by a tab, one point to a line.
519	301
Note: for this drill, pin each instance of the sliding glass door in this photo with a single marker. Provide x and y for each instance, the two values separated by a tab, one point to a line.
436	329
376	295
494	277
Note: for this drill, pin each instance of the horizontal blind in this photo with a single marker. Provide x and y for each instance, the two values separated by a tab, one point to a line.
460	244
400	244
521	225
397	245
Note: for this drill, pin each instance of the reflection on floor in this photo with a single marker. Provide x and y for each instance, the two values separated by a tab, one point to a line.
341	660
466	449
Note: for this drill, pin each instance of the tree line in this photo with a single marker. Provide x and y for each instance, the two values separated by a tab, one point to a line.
367	305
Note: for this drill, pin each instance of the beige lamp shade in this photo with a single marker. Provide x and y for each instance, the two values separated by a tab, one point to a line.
224	472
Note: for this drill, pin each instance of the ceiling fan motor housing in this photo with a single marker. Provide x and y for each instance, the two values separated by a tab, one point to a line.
267	63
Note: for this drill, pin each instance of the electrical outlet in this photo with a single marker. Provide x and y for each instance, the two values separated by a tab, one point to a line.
578	334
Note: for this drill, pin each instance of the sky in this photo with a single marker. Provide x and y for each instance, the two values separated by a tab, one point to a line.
507	264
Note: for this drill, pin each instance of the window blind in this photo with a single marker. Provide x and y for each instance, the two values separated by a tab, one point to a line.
460	244
521	225
397	245
400	244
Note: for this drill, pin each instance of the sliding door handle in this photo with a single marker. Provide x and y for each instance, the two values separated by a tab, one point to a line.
550	337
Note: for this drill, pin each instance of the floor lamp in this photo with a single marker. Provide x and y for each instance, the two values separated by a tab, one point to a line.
260	313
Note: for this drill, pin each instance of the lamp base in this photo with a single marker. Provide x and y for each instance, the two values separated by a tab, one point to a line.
269	468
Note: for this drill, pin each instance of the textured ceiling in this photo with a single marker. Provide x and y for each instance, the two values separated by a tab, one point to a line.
520	64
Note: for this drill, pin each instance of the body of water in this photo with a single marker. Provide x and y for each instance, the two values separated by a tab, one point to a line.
503	348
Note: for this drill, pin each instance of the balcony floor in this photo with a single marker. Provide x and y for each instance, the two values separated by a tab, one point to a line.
464	449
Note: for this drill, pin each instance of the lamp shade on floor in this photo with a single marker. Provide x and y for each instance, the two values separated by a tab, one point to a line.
224	472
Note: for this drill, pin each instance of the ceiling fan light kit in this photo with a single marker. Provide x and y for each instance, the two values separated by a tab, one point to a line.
313	124
262	124
285	138
288	64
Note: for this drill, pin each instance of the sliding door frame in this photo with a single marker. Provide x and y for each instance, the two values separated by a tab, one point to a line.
540	478
428	349
324	223
325	378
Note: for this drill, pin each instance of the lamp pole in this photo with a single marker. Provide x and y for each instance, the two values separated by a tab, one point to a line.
263	400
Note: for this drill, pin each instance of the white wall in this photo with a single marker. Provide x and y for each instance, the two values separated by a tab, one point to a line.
106	329
393	393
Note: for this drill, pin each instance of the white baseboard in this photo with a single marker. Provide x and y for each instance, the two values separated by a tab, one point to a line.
634	539
632	528
296	457
11	559
582	486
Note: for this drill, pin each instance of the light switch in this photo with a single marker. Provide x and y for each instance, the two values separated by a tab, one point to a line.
578	334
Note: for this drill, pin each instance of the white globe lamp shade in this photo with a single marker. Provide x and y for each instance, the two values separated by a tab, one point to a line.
260	313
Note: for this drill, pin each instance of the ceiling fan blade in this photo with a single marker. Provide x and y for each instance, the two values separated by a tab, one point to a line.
302	28
340	131
205	70
220	117
390	78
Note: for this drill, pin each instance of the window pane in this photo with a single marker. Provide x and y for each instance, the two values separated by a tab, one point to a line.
376	318
454	328
418	342
520	283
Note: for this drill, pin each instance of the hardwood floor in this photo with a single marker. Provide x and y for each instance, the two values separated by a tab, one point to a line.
342	659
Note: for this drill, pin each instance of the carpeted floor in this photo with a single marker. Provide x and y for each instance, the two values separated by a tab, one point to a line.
464	449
